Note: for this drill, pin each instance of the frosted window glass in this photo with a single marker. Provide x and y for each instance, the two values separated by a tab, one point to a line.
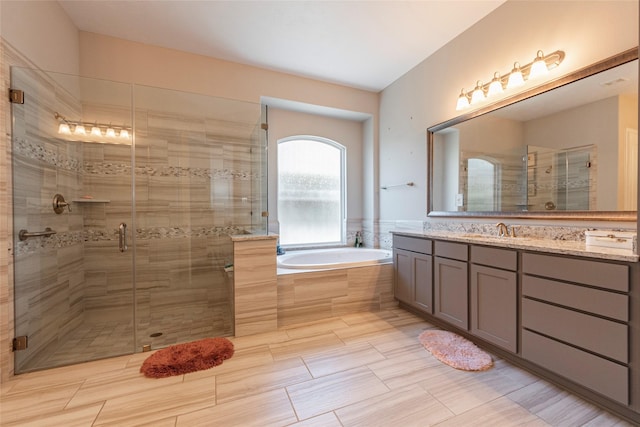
310	192
482	185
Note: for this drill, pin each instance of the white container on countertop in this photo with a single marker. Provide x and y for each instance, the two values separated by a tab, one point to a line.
611	239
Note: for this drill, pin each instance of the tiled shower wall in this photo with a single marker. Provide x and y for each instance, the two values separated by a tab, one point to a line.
195	183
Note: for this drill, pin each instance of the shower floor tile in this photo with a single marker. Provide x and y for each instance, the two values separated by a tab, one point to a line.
87	342
93	340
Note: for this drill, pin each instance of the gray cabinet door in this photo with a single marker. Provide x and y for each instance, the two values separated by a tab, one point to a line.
493	306
423	282
403	286
414	279
451	291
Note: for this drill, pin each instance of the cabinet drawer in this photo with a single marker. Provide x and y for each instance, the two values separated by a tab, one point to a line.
595	273
603	303
451	250
414	244
596	373
592	333
493	257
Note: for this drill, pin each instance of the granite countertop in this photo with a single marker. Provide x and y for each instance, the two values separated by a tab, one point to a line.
565	247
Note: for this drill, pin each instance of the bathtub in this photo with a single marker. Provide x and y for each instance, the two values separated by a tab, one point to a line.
327	259
321	284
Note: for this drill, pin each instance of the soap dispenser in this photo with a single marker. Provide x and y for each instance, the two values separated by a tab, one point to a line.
358	242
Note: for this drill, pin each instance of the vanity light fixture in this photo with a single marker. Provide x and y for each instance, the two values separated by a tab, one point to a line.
64	126
80	130
495	87
478	94
515	77
95	130
68	127
518	76
538	66
64	129
463	101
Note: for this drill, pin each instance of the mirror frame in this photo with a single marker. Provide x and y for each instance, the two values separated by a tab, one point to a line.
622	58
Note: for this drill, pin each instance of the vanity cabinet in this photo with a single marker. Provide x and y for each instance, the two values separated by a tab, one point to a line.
575	316
494	296
570	318
451	285
413	272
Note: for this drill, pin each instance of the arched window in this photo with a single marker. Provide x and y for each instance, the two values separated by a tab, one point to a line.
483	184
311	191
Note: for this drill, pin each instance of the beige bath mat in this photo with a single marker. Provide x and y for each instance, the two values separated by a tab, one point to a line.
455	350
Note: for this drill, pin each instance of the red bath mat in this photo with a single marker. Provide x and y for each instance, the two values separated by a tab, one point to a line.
455	351
188	357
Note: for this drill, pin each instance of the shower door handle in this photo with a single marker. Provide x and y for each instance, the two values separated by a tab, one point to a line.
122	237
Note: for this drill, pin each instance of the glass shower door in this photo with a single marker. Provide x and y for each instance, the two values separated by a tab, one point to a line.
193	189
99	272
72	199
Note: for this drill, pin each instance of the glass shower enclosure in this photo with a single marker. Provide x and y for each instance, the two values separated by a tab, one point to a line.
124	198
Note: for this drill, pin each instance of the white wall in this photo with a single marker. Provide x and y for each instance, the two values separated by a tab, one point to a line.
588	31
42	32
121	60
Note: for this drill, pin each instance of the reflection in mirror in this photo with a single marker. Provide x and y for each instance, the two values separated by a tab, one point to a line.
481	178
569	149
561	179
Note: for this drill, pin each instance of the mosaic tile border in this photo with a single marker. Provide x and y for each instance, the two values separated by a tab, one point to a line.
70	238
35	151
38	152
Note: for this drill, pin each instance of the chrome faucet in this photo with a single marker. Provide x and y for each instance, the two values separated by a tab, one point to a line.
503	230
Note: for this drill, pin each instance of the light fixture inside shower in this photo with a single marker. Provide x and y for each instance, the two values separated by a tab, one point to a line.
518	76
78	128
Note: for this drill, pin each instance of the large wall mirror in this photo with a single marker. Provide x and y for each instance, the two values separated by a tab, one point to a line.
567	149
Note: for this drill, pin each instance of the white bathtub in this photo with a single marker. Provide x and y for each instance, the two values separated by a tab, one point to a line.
325	259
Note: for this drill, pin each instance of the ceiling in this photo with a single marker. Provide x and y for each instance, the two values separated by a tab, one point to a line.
362	44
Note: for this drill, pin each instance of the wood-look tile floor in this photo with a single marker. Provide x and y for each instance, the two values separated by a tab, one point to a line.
364	369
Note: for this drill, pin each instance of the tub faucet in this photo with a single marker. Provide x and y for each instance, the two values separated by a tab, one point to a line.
503	230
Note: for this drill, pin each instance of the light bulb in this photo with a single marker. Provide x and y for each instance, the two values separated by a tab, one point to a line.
538	67
124	133
80	130
495	87
64	129
111	133
95	131
478	94
515	78
463	101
